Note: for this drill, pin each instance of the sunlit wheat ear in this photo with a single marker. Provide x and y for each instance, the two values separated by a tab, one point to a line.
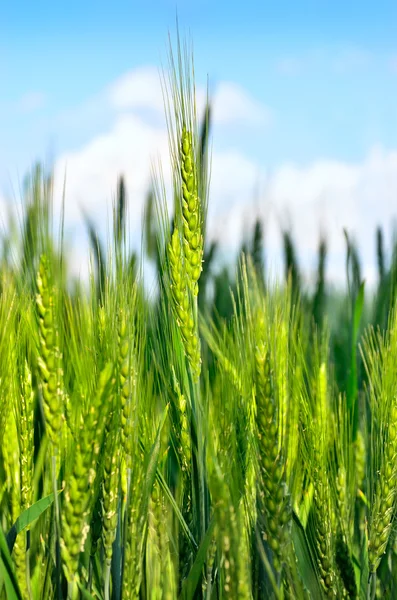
11	460
182	304
49	359
79	484
231	543
383	507
183	430
159	560
323	419
272	489
191	210
136	523
133	561
380	354
127	380
26	435
110	495
25	428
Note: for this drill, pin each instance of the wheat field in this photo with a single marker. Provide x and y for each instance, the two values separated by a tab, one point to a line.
239	443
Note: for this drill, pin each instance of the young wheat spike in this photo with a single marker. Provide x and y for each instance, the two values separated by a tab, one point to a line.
183	431
78	489
49	361
26	436
383	507
232	544
110	496
323	536
136	523
159	559
182	305
191	210
11	461
322	504
272	487
125	380
22	497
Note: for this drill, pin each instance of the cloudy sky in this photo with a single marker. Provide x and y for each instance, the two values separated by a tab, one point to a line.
305	117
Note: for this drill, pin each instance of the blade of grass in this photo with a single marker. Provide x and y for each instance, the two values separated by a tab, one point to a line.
190	583
352	389
28	517
7	570
304	558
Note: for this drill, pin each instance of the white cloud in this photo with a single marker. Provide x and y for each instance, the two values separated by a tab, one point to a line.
232	103
31	101
326	195
132	141
140	88
233	179
92	172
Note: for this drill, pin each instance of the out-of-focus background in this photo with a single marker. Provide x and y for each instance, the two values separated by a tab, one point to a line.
304	119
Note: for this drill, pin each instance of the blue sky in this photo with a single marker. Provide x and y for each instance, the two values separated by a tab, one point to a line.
325	74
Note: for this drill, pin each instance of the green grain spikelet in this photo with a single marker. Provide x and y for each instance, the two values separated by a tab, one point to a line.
125	381
26	436
322	502
191	211
183	430
383	506
273	496
182	305
49	360
110	495
78	488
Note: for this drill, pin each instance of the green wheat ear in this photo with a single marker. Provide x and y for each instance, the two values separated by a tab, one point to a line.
110	494
383	507
182	304
79	486
126	380
273	494
49	360
191	210
26	435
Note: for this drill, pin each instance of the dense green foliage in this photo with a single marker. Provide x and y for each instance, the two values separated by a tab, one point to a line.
221	438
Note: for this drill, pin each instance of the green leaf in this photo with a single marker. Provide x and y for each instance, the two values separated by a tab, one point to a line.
364	566
304	558
151	467
99	255
117	557
177	511
28	517
352	388
190	583
84	593
277	593
11	590
7	570
303	510
358	310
